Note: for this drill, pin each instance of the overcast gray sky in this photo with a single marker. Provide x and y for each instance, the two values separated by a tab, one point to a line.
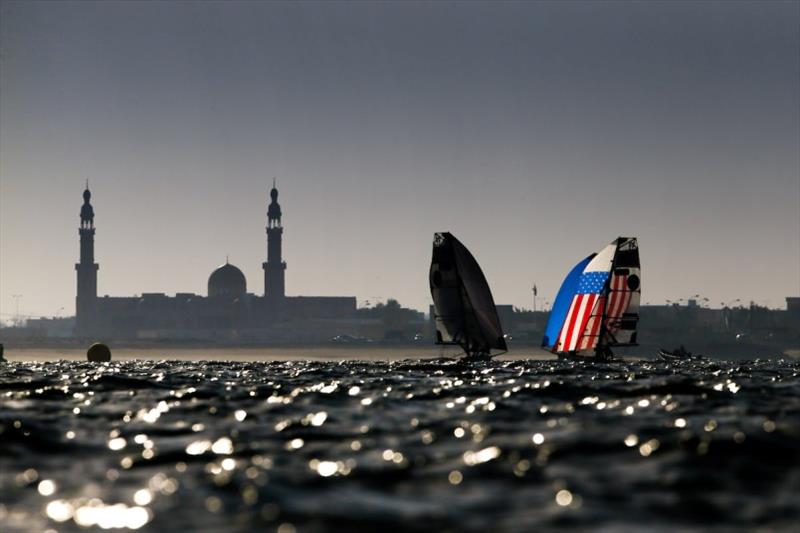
536	132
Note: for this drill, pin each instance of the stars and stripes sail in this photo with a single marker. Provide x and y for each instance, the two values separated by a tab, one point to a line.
598	303
584	308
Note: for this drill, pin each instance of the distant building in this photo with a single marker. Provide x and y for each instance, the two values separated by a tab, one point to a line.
56	327
228	312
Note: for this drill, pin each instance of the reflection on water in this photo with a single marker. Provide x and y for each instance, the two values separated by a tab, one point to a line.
311	446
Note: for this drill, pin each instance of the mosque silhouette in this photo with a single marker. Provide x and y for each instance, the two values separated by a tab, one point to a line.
228	312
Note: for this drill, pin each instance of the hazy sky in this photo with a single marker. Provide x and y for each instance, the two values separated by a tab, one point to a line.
536	132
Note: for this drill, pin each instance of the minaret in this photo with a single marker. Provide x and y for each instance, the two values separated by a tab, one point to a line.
87	269
275	267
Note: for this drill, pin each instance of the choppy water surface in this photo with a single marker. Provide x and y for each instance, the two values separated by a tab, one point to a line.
426	445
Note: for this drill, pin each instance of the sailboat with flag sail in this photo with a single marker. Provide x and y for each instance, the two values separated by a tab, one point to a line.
464	311
597	307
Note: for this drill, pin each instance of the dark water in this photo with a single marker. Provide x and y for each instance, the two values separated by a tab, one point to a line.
417	445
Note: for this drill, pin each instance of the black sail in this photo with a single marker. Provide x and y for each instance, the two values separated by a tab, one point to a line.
465	313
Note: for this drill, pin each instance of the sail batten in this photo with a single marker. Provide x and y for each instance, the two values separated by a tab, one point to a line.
465	313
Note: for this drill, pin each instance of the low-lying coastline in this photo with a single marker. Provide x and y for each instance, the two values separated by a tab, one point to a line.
262	353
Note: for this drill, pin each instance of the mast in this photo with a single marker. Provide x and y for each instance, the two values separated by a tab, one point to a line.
600	350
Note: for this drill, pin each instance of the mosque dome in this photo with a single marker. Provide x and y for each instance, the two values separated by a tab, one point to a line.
227	281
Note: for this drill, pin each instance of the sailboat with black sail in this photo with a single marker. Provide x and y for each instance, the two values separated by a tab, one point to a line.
465	314
597	307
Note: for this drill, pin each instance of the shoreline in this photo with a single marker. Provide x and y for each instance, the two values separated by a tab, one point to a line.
320	352
271	353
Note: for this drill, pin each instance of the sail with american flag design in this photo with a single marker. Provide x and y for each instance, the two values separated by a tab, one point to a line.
597	307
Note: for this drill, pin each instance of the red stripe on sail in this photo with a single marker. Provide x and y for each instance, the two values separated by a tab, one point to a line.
592	312
626	299
570	322
582	317
565	328
614	326
584	340
589	339
617	302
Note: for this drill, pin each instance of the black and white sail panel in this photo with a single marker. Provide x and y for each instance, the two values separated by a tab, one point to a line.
624	294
